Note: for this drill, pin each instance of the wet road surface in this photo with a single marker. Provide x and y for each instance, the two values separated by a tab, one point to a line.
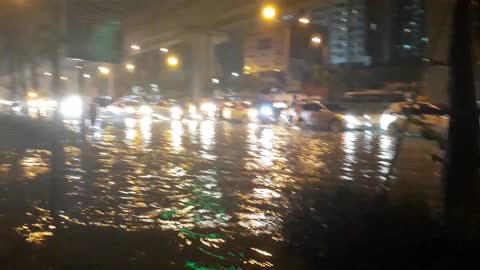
188	194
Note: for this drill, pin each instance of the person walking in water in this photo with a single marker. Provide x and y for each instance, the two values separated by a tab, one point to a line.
92	110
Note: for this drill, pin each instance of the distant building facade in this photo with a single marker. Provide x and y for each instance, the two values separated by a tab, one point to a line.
409	33
347	27
267	49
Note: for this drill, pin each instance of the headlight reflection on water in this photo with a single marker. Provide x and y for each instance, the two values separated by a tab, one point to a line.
352	121
176	135
176	113
266	110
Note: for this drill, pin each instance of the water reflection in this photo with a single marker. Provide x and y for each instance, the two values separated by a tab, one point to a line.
219	188
350	159
266	141
35	163
207	136
176	135
387	151
146	130
130	131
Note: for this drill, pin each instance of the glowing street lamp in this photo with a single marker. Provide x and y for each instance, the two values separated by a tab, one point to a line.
135	47
130	67
304	20
172	61
104	70
269	12
165	50
316	40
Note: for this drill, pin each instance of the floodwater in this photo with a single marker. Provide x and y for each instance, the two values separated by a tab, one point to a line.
178	195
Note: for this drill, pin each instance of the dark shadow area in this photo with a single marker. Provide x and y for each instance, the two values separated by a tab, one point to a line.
357	228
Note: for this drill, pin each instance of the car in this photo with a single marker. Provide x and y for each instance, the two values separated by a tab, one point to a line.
267	112
243	111
103	102
167	109
329	116
423	115
130	108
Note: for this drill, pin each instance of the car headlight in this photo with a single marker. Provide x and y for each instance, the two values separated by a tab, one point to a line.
52	103
266	110
114	109
129	109
71	107
145	109
32	103
192	109
386	120
16	108
227	113
351	120
208	107
176	113
280	105
252	113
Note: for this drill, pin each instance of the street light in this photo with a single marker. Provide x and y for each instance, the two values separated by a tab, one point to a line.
215	81
87	76
47	73
64	78
172	61
130	67
269	12
104	70
165	50
316	40
304	20
135	47
247	67
235	74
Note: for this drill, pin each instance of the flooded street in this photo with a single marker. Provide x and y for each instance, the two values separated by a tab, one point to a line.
183	195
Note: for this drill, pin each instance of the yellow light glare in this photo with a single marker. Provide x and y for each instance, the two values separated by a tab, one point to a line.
172	61
269	12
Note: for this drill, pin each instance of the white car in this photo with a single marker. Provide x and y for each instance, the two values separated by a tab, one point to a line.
129	108
165	109
422	115
242	111
329	116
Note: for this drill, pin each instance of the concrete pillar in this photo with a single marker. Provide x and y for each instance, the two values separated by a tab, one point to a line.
203	60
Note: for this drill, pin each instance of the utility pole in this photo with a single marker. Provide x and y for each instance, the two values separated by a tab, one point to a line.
461	178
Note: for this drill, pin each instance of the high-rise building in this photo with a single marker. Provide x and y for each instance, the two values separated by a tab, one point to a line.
409	34
347	27
380	24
